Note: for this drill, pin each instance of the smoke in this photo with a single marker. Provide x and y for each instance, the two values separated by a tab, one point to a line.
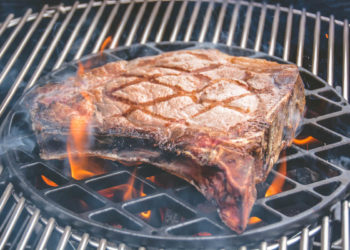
16	133
22	143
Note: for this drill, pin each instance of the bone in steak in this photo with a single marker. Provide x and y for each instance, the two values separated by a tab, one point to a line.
215	120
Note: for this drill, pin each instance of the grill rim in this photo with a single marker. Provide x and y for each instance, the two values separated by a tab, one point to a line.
307	217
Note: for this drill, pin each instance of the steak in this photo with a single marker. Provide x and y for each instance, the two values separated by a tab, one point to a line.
214	120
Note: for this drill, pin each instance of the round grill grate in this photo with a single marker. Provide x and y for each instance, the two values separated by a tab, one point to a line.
317	175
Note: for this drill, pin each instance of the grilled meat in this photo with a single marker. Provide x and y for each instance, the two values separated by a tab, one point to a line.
215	120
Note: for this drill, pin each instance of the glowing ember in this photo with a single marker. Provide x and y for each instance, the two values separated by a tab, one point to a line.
105	43
146	215
203	234
151	178
278	182
83	204
117	191
254	220
48	181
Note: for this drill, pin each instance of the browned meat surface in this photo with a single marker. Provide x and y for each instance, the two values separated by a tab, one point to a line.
215	120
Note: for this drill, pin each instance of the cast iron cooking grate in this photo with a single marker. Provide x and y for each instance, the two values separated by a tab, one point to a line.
162	209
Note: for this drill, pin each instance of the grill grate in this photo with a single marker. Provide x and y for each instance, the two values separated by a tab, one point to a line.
178	214
43	35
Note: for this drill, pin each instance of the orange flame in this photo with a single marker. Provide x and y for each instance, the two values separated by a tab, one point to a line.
48	181
80	70
278	182
81	166
105	43
306	140
130	191
146	214
326	35
82	67
254	220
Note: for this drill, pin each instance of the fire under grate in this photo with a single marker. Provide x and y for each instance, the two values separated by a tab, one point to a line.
163	210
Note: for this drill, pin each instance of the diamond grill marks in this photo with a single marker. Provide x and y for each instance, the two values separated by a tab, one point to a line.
188	87
143	93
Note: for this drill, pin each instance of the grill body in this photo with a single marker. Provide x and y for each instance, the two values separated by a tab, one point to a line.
64	33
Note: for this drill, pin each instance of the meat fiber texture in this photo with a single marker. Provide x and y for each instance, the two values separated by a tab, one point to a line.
215	120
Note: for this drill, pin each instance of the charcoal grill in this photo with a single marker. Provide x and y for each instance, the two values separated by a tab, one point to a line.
64	33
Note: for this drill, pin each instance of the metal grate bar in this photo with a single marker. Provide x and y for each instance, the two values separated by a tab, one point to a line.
5	196
246	26
122	246
13	35
106	27
150	23
260	31
102	244
283	243
12	222
274	31
192	21
263	246
288	34
219	23
53	45
121	27
64	238
206	22
330	62
304	241
325	233
4	25
233	24
301	39
136	24
346	60
165	21
90	31
316	46
46	234
84	241
178	21
29	229
72	37
27	65
22	45
345	226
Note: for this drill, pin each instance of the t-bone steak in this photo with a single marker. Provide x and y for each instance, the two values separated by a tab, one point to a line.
214	120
